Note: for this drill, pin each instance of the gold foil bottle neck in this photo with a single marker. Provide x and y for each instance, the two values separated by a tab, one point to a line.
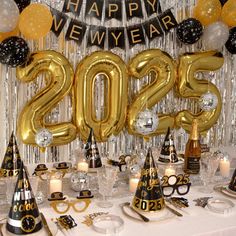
194	132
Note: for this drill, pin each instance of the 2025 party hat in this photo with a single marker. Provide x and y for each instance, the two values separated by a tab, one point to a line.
149	196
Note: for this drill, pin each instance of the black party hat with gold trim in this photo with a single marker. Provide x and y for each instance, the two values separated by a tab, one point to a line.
23	217
12	160
232	184
149	196
168	152
91	151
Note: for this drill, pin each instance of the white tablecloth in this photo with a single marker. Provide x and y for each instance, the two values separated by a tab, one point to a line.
196	221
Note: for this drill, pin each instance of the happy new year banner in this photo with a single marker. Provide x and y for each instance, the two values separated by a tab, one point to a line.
96	35
113	8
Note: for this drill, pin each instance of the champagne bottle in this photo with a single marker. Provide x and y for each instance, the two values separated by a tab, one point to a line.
193	151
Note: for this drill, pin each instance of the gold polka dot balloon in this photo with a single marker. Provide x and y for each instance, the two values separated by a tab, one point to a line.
207	11
229	13
35	21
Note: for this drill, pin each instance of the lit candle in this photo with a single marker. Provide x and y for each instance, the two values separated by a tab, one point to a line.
224	167
169	171
55	185
82	166
133	183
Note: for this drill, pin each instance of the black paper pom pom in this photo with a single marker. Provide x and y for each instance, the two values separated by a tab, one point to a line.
189	31
231	43
13	51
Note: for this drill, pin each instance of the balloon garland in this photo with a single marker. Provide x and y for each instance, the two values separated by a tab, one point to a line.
211	22
216	17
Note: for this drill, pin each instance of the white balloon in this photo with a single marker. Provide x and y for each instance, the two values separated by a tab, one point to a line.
215	36
9	15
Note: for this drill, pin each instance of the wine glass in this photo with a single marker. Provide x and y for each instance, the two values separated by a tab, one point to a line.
208	166
106	180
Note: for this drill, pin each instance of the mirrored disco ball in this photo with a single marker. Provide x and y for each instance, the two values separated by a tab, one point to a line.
146	122
208	101
79	181
43	138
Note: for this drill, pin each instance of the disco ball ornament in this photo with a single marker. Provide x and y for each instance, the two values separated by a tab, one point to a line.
208	101
79	181
43	138
146	122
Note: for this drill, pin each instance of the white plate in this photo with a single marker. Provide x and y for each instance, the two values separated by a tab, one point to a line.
52	226
152	216
230	191
227	191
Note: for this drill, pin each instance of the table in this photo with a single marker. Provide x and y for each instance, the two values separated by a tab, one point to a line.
196	221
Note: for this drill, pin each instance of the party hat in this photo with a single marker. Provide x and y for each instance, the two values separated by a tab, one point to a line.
168	152
91	152
149	196
232	184
23	217
11	161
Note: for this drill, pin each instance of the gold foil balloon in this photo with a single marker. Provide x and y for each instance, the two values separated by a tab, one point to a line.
14	32
207	11
59	82
190	87
115	75
35	21
9	15
163	68
228	14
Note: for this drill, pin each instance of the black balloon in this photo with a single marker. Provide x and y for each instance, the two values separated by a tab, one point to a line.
22	4
231	43
189	31
223	2
13	51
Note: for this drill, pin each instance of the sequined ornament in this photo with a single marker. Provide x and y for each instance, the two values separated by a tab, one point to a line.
146	122
43	138
208	101
231	43
13	51
189	31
